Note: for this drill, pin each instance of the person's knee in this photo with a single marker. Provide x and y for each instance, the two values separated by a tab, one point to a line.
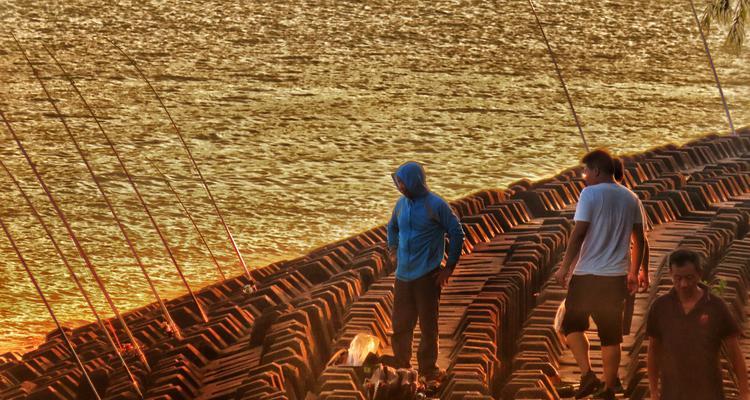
429	336
573	329
404	315
400	329
612	348
576	337
611	338
574	324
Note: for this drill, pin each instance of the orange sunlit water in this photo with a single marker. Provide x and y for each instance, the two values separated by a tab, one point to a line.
298	114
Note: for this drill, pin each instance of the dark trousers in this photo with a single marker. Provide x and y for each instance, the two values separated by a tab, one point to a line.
416	300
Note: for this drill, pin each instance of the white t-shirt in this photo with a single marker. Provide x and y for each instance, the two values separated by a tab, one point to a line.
612	210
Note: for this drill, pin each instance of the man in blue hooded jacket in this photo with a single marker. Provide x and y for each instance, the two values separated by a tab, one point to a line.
416	232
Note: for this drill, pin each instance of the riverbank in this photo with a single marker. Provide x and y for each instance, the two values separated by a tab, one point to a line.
276	341
298	116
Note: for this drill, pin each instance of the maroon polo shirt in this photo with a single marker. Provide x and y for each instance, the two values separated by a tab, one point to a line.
690	344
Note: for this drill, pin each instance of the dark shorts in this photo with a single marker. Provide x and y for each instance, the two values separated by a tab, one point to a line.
601	298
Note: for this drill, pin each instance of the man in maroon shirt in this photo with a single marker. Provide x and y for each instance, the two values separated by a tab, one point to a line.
686	328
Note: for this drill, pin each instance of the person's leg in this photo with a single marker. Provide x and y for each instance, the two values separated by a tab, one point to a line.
403	321
579	346
576	322
611	364
427	295
578	304
608	317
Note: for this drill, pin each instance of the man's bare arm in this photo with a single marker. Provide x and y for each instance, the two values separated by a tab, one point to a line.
636	256
639	248
646	251
643	280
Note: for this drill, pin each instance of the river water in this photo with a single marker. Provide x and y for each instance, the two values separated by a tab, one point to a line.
299	111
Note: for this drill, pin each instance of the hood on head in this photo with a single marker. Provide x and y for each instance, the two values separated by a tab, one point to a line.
413	176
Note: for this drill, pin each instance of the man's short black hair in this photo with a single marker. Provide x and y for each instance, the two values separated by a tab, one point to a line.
599	159
682	257
618	169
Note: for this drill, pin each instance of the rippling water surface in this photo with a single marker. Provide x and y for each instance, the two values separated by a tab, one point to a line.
299	111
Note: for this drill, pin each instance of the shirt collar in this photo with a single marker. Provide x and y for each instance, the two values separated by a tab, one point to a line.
706	294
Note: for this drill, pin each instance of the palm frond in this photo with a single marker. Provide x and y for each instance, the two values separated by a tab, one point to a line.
706	18
733	15
718	10
736	34
724	11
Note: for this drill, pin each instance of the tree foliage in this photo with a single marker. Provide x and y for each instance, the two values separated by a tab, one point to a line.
731	14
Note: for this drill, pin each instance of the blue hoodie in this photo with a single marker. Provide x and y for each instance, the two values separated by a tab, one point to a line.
418	226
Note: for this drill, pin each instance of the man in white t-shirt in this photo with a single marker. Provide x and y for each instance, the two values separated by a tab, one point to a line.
608	216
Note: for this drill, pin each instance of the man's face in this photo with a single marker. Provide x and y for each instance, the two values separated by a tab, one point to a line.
590	175
399	185
685	278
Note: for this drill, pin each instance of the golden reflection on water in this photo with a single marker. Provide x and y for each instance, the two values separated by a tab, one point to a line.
299	112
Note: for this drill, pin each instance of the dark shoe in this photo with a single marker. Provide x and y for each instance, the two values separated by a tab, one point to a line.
434	377
589	384
618	386
565	390
605	394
